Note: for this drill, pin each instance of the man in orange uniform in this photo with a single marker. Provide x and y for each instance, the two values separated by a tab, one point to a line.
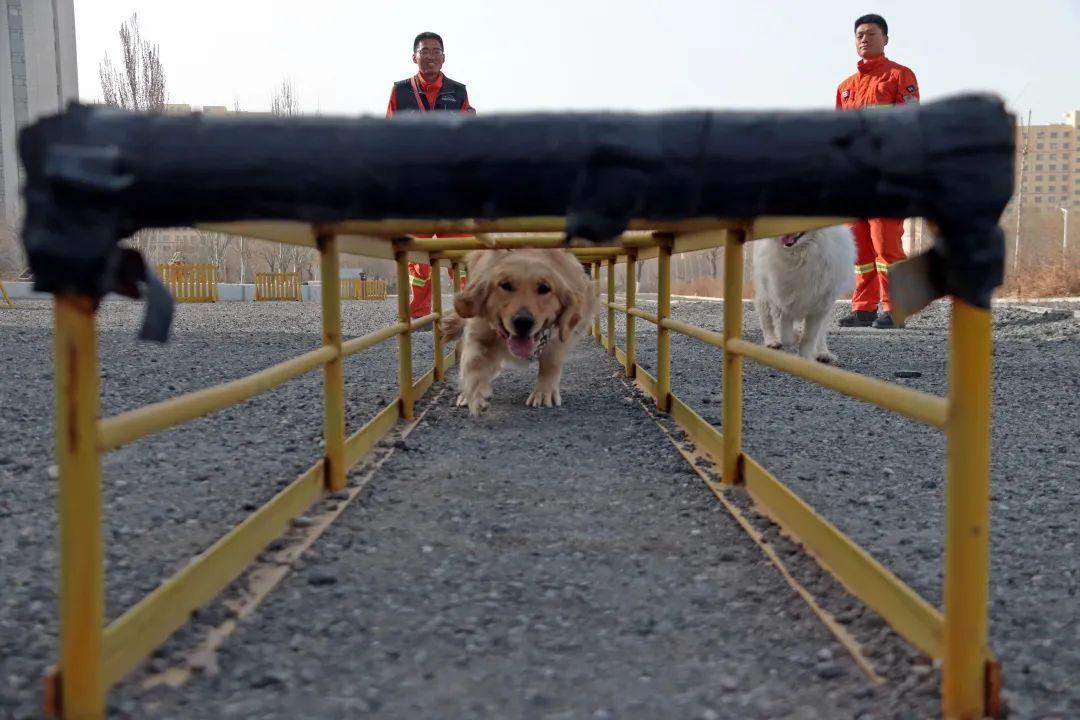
879	81
427	91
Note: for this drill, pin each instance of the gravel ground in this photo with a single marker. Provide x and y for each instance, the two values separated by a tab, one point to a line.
522	579
880	478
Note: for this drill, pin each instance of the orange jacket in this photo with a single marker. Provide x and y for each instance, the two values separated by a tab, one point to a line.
879	81
431	90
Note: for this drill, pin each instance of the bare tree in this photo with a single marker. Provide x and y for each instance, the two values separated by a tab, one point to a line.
216	245
715	256
139	86
275	255
299	259
285	101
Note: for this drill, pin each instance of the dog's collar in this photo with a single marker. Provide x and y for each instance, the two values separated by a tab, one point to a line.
541	342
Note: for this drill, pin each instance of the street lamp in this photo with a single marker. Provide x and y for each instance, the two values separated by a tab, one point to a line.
1064	235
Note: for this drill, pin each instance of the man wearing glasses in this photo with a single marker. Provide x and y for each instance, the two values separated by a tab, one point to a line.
426	91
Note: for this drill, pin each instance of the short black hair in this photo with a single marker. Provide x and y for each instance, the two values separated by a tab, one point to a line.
869	20
434	36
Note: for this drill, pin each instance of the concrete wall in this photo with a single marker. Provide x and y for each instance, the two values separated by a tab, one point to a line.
38	76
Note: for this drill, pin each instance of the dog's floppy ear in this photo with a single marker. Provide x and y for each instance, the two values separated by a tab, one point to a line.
469	301
570	315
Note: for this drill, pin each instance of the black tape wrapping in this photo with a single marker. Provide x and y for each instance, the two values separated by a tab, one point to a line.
131	277
96	175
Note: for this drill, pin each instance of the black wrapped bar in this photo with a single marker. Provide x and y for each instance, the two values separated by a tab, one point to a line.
95	175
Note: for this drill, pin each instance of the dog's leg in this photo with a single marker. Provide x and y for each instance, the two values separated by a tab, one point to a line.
767	322
787	329
813	340
478	369
546	391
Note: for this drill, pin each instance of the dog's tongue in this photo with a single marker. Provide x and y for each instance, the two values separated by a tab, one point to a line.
522	347
788	240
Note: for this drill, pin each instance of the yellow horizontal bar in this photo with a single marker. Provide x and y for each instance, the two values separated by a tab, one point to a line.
392	228
442	244
699	430
301	233
141	422
361	441
914	404
646	381
422	321
395	228
355	345
638	312
597	252
706	336
292	232
581	253
763	227
910	615
372	237
775	225
421	386
136	633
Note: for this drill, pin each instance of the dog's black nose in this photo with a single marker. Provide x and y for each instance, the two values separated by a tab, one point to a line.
523	323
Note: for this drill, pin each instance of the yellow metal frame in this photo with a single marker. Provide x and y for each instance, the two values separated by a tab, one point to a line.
8	302
93	657
190	283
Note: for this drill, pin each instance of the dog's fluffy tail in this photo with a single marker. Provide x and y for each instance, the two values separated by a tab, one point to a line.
452	326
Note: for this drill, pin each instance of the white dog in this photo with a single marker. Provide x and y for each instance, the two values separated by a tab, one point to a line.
798	278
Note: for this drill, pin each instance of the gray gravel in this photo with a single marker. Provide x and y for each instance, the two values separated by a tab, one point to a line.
880	477
500	569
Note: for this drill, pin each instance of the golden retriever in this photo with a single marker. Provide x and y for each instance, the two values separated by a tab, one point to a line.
519	305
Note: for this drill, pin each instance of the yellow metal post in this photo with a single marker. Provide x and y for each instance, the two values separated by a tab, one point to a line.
596	289
457	288
732	373
611	310
333	371
436	306
663	335
631	298
82	593
405	338
967	513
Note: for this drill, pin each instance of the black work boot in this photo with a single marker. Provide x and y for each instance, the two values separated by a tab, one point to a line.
885	321
859	318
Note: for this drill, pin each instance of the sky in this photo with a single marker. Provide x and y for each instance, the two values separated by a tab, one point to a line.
552	55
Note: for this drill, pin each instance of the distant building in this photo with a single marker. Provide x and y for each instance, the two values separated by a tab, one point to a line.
38	76
1051	171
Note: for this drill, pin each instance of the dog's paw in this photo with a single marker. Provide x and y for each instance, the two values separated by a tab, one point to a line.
825	357
477	405
476	402
775	345
544	397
